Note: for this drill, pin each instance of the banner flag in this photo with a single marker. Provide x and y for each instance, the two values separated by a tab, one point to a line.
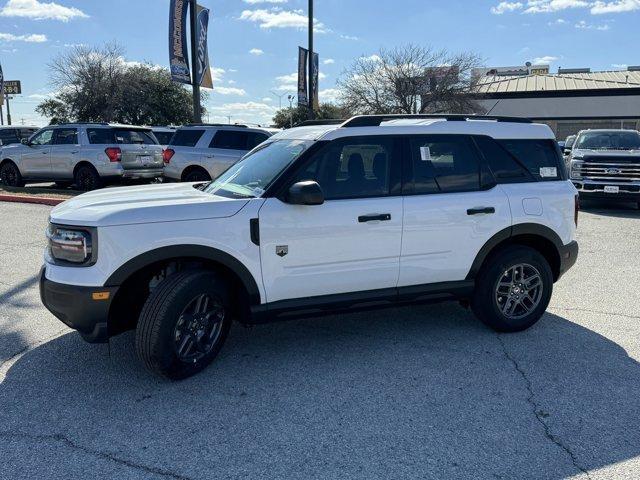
203	68
178	53
315	80
303	93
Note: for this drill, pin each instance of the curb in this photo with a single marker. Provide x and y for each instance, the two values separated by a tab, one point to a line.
52	202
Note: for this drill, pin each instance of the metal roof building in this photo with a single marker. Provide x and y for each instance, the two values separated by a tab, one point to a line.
568	101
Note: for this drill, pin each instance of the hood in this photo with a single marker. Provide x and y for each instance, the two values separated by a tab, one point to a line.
12	148
605	153
144	204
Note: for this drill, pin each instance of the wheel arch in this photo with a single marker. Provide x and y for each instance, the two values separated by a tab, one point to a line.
533	235
191	168
83	163
9	160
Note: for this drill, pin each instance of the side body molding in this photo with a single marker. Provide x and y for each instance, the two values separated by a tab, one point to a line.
515	230
187	251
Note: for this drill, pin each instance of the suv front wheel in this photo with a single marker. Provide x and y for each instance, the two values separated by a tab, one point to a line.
513	289
183	324
10	175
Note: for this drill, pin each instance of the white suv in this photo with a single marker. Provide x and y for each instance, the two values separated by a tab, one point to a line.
378	211
203	152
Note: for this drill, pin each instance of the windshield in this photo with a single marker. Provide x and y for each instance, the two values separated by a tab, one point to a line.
569	141
622	140
251	176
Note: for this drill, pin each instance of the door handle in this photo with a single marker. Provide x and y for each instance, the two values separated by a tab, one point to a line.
481	210
381	217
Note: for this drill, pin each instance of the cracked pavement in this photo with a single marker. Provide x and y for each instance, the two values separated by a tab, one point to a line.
415	392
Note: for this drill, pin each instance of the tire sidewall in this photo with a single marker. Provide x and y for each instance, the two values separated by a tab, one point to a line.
165	356
15	170
87	172
485	304
200	177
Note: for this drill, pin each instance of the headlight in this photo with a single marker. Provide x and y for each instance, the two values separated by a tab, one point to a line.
70	245
575	169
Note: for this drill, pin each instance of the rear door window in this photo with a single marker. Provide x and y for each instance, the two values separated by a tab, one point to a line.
542	158
255	138
66	136
101	136
186	138
230	140
8	136
442	164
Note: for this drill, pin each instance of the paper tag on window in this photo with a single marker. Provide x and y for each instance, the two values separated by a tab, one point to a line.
425	154
548	172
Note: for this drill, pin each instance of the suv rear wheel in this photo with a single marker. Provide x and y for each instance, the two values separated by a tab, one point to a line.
513	289
184	324
86	178
10	175
197	175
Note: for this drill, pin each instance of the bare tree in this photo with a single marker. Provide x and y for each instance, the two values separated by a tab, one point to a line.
411	79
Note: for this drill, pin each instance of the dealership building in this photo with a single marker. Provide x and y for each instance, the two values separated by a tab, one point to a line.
568	101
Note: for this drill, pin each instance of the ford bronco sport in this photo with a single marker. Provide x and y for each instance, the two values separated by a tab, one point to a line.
375	212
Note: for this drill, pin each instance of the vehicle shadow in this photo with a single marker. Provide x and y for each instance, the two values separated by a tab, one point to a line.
422	392
611	208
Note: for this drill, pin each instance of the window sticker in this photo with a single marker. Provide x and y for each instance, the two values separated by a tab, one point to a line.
425	154
548	172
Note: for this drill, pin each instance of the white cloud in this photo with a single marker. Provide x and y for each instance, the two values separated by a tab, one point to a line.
372	58
229	91
349	37
544	60
503	7
254	112
329	95
256	51
256	2
277	18
597	7
36	10
621	66
582	25
29	38
231	82
328	61
617	6
267	100
217	74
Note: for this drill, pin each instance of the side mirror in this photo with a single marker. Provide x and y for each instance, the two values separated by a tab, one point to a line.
25	141
305	193
567	151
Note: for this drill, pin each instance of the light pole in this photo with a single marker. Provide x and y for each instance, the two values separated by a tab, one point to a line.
311	99
279	97
290	98
197	110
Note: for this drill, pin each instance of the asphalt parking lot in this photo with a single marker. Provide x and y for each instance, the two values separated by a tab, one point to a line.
421	392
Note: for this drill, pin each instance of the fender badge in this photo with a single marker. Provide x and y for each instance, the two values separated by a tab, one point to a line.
282	250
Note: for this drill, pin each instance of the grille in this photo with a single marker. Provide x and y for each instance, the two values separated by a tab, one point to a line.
610	168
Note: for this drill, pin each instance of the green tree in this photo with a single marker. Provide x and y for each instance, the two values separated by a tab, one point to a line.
98	85
292	116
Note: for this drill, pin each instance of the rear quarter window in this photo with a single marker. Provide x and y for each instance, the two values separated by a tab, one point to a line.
186	138
121	136
541	157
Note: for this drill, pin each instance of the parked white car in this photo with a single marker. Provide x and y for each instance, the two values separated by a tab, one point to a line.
203	152
376	212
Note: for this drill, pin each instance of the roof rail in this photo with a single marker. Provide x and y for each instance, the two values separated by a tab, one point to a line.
330	121
376	120
216	125
78	123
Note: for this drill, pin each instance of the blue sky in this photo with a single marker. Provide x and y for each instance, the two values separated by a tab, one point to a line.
253	43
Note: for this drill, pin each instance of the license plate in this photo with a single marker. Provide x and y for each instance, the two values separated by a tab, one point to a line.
145	159
611	189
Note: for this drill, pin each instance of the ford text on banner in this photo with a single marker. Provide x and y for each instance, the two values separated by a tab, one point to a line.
178	53
303	95
202	57
315	82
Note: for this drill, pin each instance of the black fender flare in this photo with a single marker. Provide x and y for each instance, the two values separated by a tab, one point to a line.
187	251
536	229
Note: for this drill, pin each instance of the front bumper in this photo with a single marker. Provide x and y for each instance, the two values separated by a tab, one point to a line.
76	307
568	257
592	189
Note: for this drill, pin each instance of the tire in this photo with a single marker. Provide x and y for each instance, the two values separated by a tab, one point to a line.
161	341
10	175
197	175
86	178
502	300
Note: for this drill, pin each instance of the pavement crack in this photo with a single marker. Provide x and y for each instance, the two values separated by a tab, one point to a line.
57	437
537	411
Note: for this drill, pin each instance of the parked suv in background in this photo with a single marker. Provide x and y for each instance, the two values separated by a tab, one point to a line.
86	155
606	164
202	152
10	135
378	211
163	134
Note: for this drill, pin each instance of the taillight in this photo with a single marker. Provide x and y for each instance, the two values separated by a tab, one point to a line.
577	209
167	155
114	154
